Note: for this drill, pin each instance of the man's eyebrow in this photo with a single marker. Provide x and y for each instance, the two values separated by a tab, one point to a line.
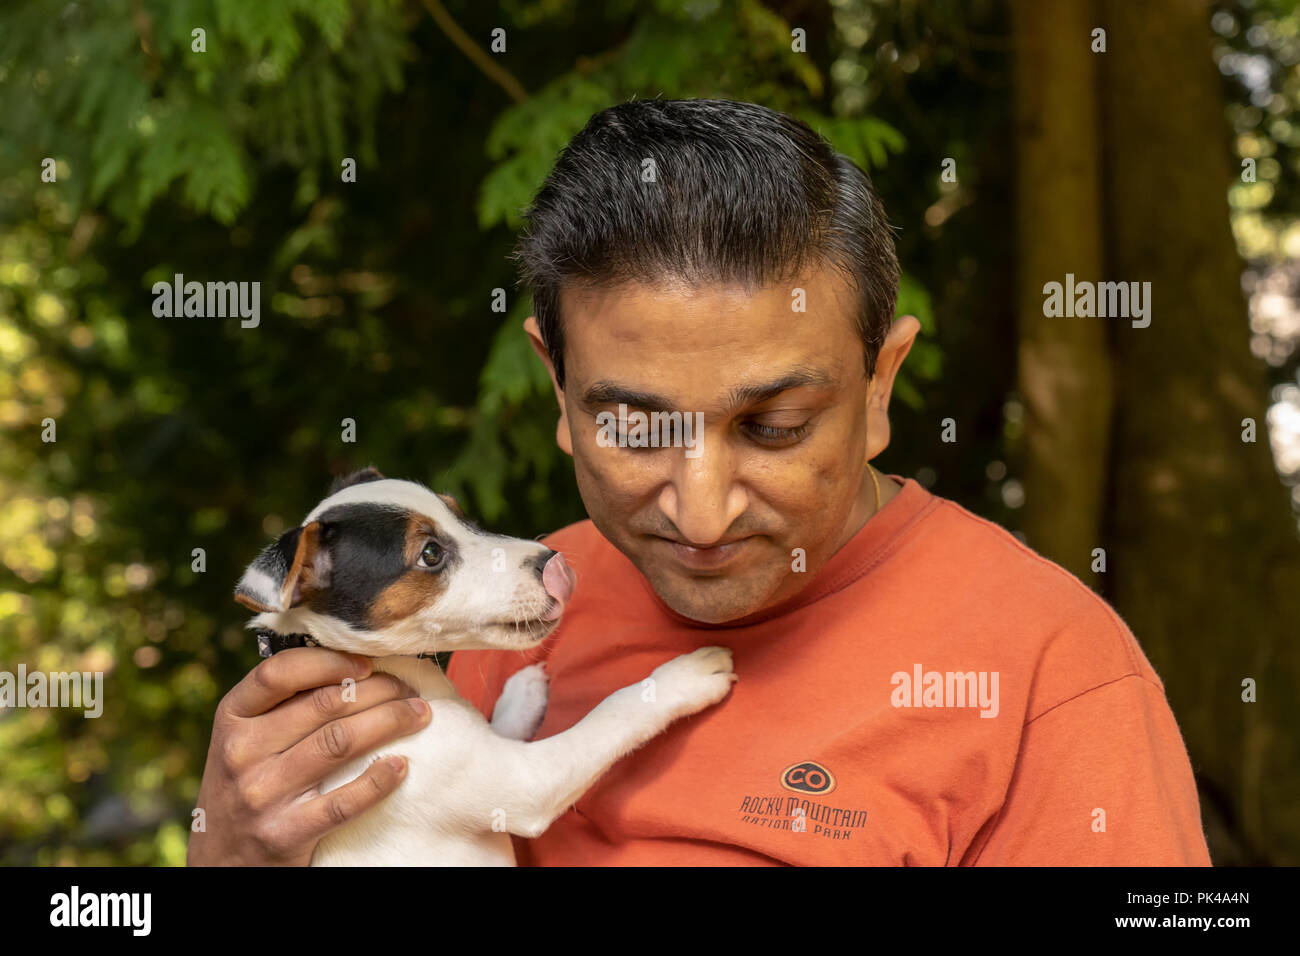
795	378
611	393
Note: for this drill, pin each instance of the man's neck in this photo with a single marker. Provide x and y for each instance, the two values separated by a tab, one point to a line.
865	508
889	488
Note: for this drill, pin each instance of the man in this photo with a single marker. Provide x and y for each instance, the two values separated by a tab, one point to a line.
915	685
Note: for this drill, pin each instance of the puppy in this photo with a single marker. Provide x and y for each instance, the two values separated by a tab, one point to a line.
392	570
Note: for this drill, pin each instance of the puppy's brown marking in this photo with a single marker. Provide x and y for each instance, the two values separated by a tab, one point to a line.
251	604
451	503
418	588
302	578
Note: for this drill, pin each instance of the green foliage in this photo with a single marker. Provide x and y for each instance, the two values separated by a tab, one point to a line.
281	81
925	360
866	141
1257	46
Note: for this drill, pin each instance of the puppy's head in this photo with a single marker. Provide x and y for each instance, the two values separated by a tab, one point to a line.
384	567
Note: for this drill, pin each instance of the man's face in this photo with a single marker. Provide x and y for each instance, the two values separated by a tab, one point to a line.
780	464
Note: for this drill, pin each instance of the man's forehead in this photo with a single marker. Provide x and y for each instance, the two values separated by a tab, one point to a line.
780	324
684	347
626	294
605	296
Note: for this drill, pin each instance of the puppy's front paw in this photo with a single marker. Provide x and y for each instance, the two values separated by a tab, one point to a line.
522	705
696	680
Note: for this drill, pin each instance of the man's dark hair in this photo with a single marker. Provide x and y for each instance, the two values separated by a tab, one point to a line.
742	195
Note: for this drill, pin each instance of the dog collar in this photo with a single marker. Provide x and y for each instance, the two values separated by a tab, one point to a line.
271	642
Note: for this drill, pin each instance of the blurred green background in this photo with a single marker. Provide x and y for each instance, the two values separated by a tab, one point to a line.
182	434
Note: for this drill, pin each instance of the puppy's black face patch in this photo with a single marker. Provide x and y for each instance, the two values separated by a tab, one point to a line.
376	573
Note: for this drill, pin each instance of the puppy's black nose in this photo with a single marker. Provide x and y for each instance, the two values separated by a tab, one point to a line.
539	562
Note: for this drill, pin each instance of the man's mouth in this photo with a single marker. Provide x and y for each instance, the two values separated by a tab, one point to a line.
705	559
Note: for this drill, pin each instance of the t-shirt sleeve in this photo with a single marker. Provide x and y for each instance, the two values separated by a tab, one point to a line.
1101	779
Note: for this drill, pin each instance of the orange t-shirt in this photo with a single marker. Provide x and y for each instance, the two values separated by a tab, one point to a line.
938	695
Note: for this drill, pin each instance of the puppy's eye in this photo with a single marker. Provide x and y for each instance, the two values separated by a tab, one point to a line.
432	556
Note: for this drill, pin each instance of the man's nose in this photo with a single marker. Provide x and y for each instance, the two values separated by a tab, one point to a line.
702	496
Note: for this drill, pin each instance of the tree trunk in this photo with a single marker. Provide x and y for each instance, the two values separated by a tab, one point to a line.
1064	366
1204	562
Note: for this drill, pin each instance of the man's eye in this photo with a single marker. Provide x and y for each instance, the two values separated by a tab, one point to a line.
432	556
770	435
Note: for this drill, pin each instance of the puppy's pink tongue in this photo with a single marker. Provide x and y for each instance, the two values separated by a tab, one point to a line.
559	580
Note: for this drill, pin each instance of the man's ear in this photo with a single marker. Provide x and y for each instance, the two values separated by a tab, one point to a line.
368	473
285	571
898	342
562	436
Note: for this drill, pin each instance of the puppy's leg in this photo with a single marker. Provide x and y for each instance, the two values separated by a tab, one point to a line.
522	704
553	773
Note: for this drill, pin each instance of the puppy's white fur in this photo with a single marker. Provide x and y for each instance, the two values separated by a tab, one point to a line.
471	784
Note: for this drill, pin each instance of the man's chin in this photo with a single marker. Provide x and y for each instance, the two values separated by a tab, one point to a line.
709	600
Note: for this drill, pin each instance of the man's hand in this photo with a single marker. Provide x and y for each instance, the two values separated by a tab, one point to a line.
277	734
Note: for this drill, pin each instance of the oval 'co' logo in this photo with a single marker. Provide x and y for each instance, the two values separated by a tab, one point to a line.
808	777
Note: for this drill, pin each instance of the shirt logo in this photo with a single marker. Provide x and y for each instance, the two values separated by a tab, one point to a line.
778	812
808	777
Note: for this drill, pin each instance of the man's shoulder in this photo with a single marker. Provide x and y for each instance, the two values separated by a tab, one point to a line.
989	553
1079	641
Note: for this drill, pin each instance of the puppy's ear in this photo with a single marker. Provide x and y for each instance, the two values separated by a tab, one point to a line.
285	571
369	473
451	503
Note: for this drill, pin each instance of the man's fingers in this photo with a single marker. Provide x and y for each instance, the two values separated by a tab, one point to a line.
290	672
311	760
349	801
296	719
